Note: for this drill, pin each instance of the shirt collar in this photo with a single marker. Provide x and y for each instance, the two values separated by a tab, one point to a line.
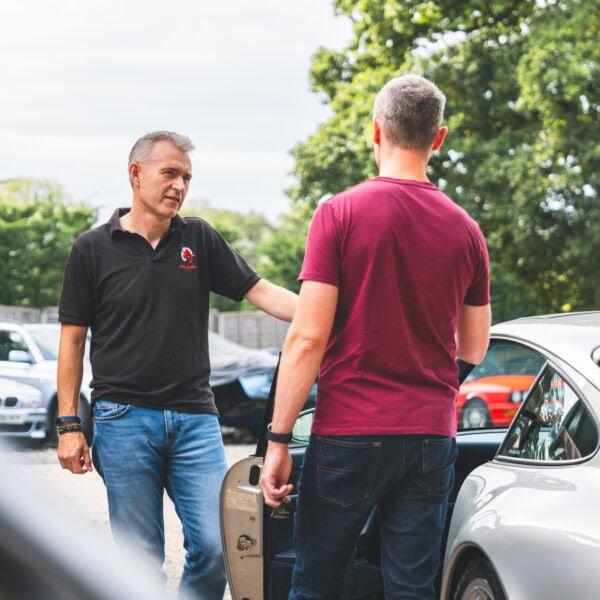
114	223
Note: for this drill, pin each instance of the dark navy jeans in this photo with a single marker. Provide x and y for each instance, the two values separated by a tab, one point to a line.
343	478
139	454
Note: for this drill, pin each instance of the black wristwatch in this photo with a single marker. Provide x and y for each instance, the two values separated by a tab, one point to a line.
282	438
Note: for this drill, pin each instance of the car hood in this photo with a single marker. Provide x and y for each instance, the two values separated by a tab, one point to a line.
229	362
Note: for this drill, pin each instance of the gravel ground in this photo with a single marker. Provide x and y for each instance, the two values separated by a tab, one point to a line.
87	493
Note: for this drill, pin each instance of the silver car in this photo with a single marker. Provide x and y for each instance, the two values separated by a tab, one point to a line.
525	525
28	354
22	410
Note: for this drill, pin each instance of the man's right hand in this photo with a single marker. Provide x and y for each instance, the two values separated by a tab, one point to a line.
74	453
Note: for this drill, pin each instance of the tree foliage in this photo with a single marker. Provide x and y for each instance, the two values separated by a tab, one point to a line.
243	232
522	78
37	229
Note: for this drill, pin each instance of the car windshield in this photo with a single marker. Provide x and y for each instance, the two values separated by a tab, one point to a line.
47	339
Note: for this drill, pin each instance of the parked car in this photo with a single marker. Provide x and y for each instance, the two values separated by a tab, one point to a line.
494	390
512	514
28	354
240	378
524	525
22	410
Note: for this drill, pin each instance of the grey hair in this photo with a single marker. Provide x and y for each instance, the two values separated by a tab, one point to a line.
142	149
411	109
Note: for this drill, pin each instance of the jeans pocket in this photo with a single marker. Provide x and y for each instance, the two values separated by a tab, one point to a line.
346	470
439	454
107	410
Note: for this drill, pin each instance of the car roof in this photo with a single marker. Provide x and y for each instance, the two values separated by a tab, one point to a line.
574	337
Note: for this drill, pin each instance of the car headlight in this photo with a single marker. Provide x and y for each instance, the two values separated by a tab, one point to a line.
29	400
518	396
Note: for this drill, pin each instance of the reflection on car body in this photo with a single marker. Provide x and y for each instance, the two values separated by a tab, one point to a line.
533	488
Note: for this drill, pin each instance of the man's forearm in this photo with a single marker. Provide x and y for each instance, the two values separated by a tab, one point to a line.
69	381
273	299
70	369
298	371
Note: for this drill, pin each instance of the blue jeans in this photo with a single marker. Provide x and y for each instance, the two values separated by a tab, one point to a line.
343	478
140	453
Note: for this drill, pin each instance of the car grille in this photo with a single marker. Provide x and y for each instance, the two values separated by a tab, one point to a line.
7	428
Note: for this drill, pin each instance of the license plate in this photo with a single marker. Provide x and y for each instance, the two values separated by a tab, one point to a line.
12	419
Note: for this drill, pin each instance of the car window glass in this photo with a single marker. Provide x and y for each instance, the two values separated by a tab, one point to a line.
10	340
302	427
553	424
493	391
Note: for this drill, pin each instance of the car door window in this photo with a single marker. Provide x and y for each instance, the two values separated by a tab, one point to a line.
494	390
10	340
553	424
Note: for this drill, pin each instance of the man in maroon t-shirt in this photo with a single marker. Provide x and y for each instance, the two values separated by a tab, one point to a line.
395	287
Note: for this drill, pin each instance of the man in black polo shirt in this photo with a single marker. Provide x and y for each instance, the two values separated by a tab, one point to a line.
141	284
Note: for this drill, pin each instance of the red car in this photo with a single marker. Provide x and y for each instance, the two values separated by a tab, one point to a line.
491	401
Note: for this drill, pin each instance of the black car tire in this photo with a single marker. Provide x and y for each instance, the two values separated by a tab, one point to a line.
477	407
479	582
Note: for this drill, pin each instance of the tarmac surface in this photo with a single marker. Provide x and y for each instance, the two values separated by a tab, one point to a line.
87	495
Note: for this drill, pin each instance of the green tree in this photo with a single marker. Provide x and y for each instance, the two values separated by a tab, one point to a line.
37	229
522	81
284	249
244	232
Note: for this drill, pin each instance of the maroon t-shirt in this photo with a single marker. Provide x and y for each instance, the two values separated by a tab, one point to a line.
405	259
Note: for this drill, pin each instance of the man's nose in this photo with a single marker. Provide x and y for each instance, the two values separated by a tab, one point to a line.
179	184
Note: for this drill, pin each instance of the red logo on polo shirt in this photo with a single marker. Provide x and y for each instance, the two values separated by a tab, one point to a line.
187	259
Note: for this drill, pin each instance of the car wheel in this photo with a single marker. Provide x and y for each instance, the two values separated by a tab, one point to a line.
475	414
479	582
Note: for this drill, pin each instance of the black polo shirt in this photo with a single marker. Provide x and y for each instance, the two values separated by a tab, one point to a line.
148	308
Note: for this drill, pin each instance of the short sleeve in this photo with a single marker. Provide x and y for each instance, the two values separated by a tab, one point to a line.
322	256
76	304
230	274
478	293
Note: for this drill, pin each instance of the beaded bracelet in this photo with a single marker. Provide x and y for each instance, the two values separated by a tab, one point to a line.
68	428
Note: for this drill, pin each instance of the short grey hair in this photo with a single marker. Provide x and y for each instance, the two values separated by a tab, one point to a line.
411	109
142	149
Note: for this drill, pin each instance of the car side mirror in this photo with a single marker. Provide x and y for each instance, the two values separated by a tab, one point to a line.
20	356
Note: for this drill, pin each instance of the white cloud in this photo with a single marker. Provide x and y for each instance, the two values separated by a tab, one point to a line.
81	81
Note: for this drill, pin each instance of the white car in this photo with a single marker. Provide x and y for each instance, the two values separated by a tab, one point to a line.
22	409
28	354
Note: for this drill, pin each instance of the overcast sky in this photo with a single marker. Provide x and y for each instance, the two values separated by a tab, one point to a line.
82	80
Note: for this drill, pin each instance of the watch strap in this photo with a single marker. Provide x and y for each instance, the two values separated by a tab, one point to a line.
282	438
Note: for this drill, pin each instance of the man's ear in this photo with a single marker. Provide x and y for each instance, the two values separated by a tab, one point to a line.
134	172
439	138
376	131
